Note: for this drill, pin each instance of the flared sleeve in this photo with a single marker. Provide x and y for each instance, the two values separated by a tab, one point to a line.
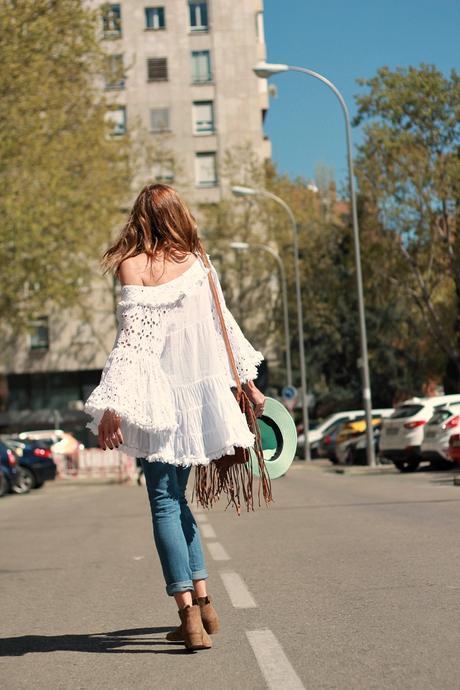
247	358
133	383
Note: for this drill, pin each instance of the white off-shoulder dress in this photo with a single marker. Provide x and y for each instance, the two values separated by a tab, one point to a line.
168	374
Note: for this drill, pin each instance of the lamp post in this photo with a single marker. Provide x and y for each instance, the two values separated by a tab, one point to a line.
264	70
242	246
248	191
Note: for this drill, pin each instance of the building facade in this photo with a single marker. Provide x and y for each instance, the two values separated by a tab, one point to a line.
179	76
180	73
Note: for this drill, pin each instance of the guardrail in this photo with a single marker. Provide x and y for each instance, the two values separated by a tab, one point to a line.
96	463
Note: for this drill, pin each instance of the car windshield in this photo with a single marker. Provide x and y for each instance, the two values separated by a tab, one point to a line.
440	416
406	411
334	425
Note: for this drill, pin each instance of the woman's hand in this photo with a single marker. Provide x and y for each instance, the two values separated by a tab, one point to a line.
110	435
255	396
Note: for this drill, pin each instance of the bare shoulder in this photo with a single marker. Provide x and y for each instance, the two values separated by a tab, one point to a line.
130	271
140	270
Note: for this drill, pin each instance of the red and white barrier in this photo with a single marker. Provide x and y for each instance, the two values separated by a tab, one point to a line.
96	463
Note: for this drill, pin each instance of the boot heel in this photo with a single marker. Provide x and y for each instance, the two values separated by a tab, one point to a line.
196	641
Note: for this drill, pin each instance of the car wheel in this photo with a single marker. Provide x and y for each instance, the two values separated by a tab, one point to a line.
26	481
4	485
406	465
350	459
441	464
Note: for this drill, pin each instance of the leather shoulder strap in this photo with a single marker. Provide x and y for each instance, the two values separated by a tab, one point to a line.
222	324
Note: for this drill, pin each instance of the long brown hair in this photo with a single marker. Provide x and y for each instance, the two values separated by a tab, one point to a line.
159	222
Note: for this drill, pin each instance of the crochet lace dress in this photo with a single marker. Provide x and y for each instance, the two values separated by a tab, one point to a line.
168	375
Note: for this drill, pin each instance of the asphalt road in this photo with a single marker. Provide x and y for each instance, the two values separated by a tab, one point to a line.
347	582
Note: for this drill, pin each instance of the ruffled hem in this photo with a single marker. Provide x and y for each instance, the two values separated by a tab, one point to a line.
96	413
169	459
209	424
250	371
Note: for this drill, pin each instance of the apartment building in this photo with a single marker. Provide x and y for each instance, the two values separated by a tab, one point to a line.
180	73
179	76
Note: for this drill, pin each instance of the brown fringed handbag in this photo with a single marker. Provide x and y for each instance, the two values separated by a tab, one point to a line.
232	474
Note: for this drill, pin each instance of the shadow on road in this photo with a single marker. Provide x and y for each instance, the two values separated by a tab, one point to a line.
115	642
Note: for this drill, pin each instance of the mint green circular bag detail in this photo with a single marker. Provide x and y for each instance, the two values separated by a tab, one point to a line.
278	434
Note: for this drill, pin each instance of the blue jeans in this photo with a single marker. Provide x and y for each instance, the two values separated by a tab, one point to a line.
175	531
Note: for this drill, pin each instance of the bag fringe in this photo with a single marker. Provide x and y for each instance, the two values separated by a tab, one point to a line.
234	475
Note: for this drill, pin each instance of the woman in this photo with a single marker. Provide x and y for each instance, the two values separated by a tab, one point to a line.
165	391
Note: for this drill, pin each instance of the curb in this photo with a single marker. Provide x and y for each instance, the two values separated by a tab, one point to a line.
379	469
319	466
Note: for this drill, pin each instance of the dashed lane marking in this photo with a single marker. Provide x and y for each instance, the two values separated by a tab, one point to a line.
239	594
201	518
274	664
207	531
217	551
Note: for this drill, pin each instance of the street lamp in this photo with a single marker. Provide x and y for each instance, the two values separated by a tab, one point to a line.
264	70
248	191
243	246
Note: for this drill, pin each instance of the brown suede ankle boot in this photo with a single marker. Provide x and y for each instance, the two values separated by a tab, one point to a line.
195	636
208	614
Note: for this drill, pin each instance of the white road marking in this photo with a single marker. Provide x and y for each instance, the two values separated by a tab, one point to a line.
239	594
217	551
201	518
207	531
273	662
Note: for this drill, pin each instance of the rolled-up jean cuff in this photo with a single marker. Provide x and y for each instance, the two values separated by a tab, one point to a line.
186	585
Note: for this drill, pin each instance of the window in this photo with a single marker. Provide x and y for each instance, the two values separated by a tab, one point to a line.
201	66
406	411
114	77
155	18
157	69
39	333
116	118
203	117
163	170
205	167
260	27
159	120
198	11
111	20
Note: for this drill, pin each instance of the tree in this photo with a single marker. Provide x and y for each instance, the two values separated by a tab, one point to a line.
409	170
63	178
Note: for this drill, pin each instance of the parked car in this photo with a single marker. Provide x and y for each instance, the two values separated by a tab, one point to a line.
35	460
4	483
346	449
402	434
63	445
454	450
328	426
327	444
444	423
9	474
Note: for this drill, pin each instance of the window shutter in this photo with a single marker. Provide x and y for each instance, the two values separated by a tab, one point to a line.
157	69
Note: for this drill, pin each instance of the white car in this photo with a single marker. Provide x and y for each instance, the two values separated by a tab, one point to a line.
328	426
444	423
402	433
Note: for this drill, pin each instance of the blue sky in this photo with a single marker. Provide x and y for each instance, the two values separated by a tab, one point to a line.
343	41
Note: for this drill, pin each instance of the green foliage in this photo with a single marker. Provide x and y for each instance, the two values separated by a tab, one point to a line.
409	170
62	177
